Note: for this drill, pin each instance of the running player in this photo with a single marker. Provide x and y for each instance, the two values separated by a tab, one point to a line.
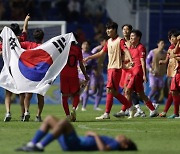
114	47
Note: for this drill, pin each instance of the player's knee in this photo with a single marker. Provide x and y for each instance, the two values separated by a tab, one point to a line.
48	118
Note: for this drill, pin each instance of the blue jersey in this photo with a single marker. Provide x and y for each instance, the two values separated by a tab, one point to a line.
72	142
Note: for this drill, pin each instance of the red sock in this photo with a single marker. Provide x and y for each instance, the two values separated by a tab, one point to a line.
149	105
109	102
168	102
76	101
65	104
126	104
176	100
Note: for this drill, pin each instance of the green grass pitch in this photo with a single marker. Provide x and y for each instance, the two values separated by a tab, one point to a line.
152	135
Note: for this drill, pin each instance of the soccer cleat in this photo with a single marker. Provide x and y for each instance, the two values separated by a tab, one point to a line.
30	149
139	114
38	119
83	109
153	113
26	116
98	109
73	115
132	111
104	116
172	116
7	117
162	114
119	114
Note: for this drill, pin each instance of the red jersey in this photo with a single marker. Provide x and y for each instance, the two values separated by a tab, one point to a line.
0	46
137	53
23	37
75	55
29	45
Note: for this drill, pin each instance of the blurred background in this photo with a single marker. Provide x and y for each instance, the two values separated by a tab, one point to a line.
88	17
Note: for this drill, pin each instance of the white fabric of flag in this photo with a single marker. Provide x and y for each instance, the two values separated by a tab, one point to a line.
34	70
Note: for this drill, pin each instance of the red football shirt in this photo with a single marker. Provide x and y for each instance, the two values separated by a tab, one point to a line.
75	55
137	53
29	45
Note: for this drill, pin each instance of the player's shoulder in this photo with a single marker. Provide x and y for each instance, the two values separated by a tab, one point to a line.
141	47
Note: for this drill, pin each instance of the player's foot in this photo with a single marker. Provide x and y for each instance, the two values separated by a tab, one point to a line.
26	116
132	111
7	117
104	116
173	116
98	109
83	109
38	119
153	113
162	114
139	114
156	106
27	148
119	114
73	115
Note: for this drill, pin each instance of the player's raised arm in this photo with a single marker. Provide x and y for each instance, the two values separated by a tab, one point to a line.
25	26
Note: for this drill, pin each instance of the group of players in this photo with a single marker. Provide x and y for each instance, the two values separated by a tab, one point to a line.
126	69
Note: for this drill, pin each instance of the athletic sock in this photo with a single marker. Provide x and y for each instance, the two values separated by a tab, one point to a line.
168	102
109	102
65	104
127	104
38	136
176	100
47	139
75	101
149	105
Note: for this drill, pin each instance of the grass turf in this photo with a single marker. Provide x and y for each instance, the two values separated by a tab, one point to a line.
152	135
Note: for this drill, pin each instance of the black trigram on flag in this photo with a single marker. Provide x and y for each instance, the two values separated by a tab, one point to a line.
12	43
60	44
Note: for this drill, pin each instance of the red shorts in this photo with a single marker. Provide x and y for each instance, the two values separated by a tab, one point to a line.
134	79
123	78
175	83
113	78
69	85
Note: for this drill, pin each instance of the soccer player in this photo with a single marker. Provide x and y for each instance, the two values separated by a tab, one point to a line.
21	37
38	36
172	72
69	80
126	31
89	66
137	74
156	71
64	132
114	47
97	79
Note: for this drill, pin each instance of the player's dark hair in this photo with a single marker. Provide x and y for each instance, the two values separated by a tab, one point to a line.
15	28
112	25
38	35
128	25
131	145
173	32
138	33
160	40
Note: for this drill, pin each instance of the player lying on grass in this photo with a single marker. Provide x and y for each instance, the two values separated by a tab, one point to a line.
64	132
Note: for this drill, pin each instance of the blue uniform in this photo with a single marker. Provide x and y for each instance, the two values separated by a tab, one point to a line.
72	142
